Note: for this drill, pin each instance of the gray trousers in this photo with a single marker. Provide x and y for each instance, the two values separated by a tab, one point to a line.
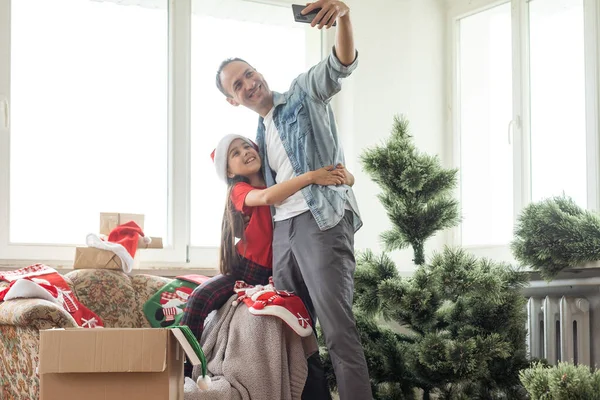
319	267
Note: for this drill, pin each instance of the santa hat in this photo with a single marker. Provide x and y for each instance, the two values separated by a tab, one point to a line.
219	154
123	241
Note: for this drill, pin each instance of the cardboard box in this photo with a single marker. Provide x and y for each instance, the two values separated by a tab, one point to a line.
113	364
92	258
156	243
109	221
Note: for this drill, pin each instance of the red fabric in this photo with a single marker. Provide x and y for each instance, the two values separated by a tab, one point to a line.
51	281
127	235
194	278
32	270
257	244
266	300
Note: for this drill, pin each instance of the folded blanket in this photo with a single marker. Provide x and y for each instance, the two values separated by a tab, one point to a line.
251	357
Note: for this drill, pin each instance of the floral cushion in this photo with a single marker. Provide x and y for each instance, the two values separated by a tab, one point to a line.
107	293
19	349
144	287
35	313
116	297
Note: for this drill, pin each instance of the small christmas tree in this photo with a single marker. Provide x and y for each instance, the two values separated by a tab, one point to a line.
465	317
416	191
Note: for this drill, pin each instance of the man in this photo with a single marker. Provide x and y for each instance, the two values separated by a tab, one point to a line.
314	229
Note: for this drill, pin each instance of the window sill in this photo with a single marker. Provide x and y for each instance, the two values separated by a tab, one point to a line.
165	269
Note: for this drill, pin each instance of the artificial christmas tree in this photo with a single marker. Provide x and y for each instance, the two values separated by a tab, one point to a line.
464	317
416	191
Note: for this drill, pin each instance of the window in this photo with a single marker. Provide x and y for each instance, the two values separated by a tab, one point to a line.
525	111
557	84
88	117
485	112
113	107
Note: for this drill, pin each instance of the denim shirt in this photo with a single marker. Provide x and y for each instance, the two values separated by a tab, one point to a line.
306	125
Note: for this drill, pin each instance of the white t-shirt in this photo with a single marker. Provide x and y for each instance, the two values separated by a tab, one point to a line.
280	163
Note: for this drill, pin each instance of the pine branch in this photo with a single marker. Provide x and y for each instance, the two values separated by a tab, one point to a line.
555	234
370	272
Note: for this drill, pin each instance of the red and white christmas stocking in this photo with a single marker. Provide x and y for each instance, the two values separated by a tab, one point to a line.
42	282
266	300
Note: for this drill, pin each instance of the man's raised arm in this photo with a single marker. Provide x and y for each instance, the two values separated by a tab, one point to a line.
323	80
331	11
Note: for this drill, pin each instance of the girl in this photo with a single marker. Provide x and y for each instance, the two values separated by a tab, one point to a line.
237	162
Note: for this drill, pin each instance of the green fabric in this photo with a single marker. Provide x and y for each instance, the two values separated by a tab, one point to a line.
165	308
191	338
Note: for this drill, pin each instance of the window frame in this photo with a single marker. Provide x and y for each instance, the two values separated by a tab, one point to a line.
178	256
518	130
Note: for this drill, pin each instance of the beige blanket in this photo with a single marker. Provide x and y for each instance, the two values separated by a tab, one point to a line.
251	357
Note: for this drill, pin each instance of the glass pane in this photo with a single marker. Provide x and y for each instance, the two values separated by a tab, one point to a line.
485	87
278	52
558	135
89	117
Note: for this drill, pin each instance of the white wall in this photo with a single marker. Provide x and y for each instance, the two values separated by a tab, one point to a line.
401	45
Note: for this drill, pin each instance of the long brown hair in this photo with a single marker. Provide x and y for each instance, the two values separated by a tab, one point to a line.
231	227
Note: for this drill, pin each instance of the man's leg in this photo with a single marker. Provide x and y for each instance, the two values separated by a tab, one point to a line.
287	276
326	262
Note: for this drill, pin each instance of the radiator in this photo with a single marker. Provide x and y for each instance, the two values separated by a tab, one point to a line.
558	329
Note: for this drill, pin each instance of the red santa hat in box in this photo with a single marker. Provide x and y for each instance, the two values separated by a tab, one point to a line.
123	241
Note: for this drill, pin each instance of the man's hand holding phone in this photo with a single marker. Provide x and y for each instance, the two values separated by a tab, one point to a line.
321	13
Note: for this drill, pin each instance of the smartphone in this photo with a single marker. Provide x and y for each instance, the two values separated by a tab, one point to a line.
307	18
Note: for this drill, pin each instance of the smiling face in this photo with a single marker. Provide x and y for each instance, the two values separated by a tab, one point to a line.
246	87
242	159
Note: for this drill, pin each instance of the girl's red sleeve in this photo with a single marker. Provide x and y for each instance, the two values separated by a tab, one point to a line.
238	196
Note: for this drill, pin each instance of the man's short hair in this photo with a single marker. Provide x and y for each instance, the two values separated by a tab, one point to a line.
221	67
